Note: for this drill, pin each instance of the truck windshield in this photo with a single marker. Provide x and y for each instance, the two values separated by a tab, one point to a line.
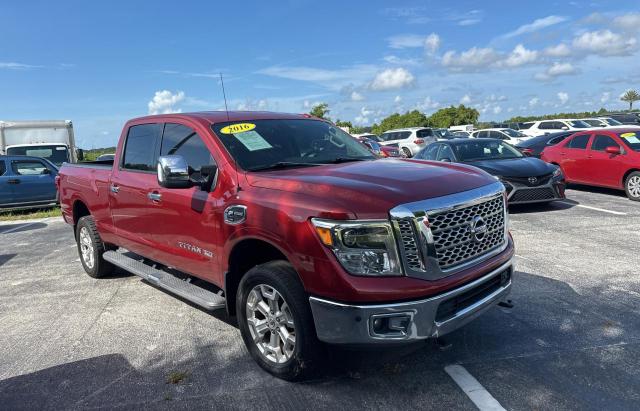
56	154
264	144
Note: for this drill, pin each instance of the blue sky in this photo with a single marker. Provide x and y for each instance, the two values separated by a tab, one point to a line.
100	63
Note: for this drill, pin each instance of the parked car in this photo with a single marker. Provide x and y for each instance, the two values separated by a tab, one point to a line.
443	134
605	158
509	135
379	150
526	179
105	157
602	122
629	117
408	140
27	182
533	146
296	229
462	134
536	128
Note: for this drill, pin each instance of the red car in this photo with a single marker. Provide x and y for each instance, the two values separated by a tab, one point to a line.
606	158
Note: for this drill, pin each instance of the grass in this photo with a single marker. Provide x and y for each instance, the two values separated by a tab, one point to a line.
176	377
13	215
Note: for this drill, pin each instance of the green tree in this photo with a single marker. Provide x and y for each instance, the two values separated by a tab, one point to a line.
320	110
630	96
341	123
409	119
454	116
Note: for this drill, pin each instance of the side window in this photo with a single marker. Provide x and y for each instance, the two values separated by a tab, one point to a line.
445	152
483	134
555	140
140	147
3	168
430	152
579	142
403	135
600	143
181	140
427	132
28	168
525	126
546	125
497	134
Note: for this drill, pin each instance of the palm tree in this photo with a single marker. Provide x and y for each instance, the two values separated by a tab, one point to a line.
630	96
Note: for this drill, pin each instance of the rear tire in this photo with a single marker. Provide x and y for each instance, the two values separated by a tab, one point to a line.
632	186
271	307
407	152
91	248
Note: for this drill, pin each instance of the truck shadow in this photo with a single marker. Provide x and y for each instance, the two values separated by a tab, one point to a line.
549	317
21	227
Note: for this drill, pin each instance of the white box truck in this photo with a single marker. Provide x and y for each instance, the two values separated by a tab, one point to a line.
52	140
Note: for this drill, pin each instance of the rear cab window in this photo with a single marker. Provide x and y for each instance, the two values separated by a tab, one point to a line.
579	142
140	150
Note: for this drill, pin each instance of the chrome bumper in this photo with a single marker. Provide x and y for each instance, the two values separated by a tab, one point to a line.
339	323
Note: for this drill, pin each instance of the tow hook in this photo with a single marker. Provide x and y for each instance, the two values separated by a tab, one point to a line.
506	304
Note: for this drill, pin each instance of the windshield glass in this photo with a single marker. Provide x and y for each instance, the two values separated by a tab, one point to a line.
595	123
480	149
513	133
579	124
612	122
56	154
631	140
259	144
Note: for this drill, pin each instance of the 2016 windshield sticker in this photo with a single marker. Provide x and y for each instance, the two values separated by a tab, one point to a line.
253	141
627	135
237	128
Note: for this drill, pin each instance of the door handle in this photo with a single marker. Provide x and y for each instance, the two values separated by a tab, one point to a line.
114	188
13	181
154	196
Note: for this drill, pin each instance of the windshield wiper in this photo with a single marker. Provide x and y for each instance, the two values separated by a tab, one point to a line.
345	160
283	164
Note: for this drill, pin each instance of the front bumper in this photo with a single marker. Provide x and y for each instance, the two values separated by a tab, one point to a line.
339	323
518	193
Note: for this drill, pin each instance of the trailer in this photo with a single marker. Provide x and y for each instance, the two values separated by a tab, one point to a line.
49	139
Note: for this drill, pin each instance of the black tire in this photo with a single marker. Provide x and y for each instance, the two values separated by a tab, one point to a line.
99	268
407	152
306	354
632	193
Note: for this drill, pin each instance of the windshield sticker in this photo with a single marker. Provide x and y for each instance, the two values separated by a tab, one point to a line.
237	128
627	135
252	140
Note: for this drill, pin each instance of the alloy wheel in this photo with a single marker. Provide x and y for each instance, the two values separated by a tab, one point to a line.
86	247
270	324
633	186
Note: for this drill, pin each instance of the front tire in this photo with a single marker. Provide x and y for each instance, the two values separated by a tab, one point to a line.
632	186
407	152
91	248
276	323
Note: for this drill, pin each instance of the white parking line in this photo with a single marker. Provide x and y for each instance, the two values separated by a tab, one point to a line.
476	392
595	208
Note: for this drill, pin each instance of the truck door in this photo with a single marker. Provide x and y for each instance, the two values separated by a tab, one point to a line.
133	180
185	229
32	181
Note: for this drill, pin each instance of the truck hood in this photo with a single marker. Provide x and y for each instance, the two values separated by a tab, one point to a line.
369	189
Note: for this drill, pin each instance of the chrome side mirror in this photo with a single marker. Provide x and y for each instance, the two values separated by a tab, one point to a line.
173	172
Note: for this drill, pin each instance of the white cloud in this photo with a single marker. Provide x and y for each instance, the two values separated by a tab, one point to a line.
563	97
397	100
555	70
392	79
401	61
605	97
629	22
355	96
536	25
432	43
497	110
252	105
520	56
403	41
427	104
560	50
605	43
11	65
469	22
470	60
465	99
534	102
164	101
332	79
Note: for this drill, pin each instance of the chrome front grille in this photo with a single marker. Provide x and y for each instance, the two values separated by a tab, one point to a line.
438	236
453	239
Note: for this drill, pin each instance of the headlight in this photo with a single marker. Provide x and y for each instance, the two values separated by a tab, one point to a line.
558	173
361	247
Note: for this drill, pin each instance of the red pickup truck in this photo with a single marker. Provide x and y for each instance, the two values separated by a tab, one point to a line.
294	227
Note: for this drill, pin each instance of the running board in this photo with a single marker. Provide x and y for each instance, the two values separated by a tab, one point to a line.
197	295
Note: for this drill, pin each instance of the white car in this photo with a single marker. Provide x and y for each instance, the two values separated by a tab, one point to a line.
508	135
541	127
410	140
603	122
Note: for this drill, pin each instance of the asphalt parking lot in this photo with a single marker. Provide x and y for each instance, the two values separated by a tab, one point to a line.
572	341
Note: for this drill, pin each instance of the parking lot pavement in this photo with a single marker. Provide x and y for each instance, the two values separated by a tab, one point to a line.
572	341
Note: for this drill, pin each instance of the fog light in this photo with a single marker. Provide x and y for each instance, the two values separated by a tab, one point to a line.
394	325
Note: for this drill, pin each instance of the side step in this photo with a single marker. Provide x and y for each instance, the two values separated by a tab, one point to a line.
163	279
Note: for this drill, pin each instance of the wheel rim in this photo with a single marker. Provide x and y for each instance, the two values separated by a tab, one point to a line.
271	324
633	186
86	247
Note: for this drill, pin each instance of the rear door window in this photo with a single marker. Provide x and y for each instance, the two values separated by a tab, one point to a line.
601	142
402	135
182	140
429	153
579	142
140	147
424	133
445	152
